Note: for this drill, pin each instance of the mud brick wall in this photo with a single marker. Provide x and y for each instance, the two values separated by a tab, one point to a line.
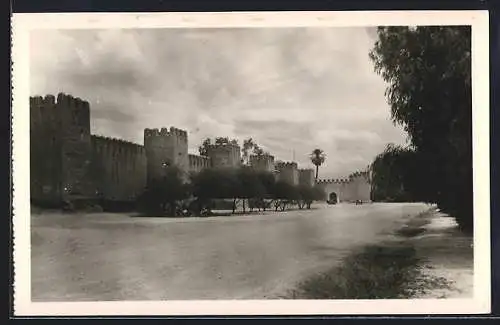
118	168
45	150
227	155
263	163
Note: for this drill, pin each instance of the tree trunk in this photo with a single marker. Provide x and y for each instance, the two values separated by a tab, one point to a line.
317	167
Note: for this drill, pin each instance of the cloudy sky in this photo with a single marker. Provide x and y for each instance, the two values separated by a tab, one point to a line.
291	89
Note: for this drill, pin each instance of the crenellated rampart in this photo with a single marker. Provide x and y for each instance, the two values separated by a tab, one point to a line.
198	163
166	132
287	172
352	188
68	162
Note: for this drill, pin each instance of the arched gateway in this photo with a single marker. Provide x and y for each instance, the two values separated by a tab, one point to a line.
352	189
332	198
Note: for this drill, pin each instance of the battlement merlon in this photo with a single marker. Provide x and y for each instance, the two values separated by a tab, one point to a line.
287	164
193	156
333	181
63	100
42	101
165	132
265	156
106	139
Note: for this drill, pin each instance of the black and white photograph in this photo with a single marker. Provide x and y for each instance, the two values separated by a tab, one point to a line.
315	163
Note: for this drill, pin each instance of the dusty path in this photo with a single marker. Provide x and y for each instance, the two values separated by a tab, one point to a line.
115	257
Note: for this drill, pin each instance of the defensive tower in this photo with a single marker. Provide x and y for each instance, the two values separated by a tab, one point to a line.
306	177
287	172
263	162
165	147
224	155
60	148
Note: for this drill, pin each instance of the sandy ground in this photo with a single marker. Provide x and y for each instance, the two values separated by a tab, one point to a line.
117	257
447	254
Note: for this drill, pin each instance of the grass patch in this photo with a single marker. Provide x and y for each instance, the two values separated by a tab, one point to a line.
415	226
410	231
376	272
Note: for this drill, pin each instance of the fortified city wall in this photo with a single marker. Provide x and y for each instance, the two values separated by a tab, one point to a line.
67	162
226	155
119	168
263	162
198	163
347	189
288	172
165	147
60	148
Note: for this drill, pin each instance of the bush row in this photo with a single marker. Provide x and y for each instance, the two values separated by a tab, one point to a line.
173	194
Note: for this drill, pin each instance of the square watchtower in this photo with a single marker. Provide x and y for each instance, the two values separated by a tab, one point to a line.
165	147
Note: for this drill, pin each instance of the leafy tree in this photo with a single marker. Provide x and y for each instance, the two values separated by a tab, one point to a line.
264	199
428	71
250	146
216	183
258	151
305	196
165	193
245	150
309	194
249	185
203	149
268	181
285	194
394	174
317	158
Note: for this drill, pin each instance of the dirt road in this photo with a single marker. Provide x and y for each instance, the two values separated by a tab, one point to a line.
116	257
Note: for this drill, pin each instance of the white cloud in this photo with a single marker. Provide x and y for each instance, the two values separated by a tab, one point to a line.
290	89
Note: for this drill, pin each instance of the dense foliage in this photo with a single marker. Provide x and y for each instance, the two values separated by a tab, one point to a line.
428	71
165	193
203	148
170	195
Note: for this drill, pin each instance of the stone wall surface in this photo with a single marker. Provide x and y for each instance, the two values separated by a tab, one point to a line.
45	150
288	172
349	189
262	163
119	169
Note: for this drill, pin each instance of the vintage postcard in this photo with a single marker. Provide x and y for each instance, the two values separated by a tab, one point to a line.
271	163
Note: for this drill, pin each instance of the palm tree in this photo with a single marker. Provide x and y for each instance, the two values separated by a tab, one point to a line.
317	158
